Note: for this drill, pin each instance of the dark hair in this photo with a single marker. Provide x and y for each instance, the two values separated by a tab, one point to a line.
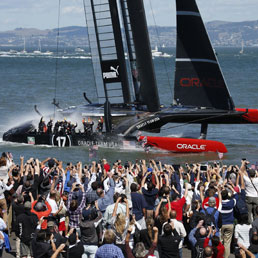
254	239
149	186
134	187
72	238
73	205
224	194
215	242
41	235
116	196
167	229
244	219
94	186
166	190
251	172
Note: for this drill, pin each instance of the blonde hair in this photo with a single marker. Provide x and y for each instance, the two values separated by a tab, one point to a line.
120	223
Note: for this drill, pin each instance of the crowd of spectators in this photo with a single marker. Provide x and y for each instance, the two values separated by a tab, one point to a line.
140	209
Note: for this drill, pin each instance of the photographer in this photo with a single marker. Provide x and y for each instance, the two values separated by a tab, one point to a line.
251	189
119	223
121	208
74	207
150	194
42	209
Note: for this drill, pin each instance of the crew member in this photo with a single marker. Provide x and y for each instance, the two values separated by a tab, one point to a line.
91	124
73	126
85	125
56	127
42	126
49	126
100	125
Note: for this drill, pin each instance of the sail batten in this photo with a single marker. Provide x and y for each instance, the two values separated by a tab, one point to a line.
199	81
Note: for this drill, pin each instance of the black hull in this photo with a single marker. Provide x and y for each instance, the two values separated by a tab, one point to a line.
77	139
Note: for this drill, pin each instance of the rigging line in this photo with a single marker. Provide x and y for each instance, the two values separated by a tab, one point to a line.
57	53
89	43
159	43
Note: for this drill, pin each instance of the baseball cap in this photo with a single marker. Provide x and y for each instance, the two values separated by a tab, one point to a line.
51	223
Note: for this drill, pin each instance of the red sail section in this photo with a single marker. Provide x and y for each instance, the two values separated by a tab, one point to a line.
184	145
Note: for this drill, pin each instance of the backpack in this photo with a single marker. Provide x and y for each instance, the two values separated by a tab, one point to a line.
209	218
199	249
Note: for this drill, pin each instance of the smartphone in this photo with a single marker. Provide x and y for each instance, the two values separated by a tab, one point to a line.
203	168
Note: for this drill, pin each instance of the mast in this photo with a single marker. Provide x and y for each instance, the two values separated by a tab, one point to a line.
148	88
199	81
107	51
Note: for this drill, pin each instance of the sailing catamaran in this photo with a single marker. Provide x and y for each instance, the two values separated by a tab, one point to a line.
127	90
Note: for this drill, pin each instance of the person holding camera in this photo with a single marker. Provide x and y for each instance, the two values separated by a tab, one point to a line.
251	189
120	222
150	194
42	209
227	213
214	242
74	207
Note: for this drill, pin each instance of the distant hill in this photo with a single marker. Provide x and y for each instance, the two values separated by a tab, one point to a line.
221	33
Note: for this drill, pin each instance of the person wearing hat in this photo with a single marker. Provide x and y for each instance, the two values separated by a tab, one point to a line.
25	226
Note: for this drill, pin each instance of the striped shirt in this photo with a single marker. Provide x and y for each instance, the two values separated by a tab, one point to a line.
227	210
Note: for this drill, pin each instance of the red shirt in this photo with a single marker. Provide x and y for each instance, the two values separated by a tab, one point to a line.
220	248
178	207
41	214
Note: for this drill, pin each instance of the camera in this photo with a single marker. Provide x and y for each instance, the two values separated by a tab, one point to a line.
203	168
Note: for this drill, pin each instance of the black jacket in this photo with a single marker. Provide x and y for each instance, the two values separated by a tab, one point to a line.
26	225
168	245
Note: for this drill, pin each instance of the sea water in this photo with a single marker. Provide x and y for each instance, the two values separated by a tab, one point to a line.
28	80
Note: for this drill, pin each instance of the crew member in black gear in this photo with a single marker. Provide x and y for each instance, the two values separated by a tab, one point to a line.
42	126
56	127
100	125
49	126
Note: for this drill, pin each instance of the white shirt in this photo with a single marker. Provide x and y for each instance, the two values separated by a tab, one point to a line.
53	205
249	188
242	234
121	208
3	188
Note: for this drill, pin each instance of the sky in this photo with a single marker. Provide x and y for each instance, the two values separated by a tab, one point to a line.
43	14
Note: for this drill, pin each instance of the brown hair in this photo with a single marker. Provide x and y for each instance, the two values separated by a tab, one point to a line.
2	162
163	214
150	225
109	237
